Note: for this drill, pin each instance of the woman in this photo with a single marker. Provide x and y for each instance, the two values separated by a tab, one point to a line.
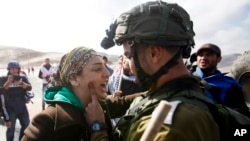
74	112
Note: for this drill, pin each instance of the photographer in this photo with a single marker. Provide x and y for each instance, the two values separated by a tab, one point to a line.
46	71
15	85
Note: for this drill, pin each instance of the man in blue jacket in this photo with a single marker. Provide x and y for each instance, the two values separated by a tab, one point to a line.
220	87
15	86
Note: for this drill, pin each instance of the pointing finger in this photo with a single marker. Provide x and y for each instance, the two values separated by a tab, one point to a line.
92	92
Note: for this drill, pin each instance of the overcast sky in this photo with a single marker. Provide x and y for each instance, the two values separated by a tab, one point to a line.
60	25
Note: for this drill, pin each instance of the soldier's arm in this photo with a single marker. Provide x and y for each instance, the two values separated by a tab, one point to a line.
119	105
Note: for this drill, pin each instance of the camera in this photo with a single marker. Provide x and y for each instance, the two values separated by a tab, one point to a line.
16	77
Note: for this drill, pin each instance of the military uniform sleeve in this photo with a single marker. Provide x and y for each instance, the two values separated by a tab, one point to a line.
189	123
100	136
235	100
119	105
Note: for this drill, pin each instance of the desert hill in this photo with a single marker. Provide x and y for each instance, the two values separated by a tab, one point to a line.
28	57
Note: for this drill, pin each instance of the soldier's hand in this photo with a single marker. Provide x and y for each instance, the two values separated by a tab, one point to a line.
117	93
93	110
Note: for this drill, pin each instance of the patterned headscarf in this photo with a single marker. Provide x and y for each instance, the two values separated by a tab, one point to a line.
73	63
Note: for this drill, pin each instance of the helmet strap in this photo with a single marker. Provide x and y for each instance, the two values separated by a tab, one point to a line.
146	80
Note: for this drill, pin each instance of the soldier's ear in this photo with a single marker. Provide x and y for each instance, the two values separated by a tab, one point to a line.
155	53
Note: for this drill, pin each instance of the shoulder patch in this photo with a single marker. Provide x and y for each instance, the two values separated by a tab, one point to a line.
169	117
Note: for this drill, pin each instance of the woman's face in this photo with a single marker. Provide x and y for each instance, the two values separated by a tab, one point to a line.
94	72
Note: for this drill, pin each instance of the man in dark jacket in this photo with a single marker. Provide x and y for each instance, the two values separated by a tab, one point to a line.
15	86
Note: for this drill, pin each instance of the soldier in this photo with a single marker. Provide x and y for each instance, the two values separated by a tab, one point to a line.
241	72
156	36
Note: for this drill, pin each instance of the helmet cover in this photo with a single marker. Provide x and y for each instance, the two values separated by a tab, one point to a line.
241	65
167	24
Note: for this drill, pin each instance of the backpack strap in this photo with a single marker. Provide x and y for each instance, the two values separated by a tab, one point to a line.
172	91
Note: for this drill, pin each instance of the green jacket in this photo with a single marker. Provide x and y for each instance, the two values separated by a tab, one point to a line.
189	121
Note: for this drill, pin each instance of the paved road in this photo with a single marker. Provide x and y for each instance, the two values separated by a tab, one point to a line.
33	108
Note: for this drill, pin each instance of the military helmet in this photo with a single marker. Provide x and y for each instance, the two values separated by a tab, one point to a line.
156	21
13	64
241	65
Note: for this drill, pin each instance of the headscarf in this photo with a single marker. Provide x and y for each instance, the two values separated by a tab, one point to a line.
72	63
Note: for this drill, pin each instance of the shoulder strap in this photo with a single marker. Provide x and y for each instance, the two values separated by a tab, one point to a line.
203	82
170	92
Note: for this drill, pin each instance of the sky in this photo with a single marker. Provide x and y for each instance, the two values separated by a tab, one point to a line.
60	25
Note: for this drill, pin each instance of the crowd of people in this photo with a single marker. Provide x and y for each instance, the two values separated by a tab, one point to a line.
86	99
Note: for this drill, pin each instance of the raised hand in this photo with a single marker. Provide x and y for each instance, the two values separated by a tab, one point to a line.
93	110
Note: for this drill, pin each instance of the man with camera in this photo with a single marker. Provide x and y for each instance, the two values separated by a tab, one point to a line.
14	87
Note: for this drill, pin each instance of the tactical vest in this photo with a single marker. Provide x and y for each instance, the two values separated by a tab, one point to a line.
146	104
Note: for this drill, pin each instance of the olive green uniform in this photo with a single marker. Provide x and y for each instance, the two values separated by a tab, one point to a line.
189	121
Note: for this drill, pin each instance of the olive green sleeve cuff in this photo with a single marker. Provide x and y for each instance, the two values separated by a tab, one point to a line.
99	136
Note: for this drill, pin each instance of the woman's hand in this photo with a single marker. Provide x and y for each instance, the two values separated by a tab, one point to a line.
94	111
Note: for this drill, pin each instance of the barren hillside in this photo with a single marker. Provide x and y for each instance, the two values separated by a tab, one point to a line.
27	57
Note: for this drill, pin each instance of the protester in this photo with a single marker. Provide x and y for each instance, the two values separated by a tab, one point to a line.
105	58
241	72
45	72
156	36
28	70
122	81
74	112
220	87
32	69
15	86
121	84
115	79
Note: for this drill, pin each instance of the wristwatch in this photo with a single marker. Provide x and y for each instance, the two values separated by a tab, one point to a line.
98	126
